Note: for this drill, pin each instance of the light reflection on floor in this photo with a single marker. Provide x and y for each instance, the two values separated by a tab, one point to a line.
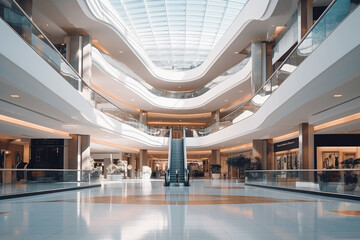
206	210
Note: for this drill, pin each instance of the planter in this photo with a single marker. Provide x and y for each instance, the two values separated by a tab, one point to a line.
115	177
215	175
328	186
350	187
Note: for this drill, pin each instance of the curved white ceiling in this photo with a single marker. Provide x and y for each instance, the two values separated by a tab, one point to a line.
256	22
177	35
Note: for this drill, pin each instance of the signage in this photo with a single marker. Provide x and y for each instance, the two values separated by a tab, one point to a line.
286	145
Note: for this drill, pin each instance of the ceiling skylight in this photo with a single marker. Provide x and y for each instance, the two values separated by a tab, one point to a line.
178	34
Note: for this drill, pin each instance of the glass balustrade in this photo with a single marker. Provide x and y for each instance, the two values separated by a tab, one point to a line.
330	19
11	13
339	181
20	181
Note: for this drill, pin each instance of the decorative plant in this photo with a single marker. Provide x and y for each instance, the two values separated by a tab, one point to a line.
350	163
117	169
241	162
329	176
93	172
350	178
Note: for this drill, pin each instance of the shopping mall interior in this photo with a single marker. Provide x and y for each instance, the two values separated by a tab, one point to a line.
188	119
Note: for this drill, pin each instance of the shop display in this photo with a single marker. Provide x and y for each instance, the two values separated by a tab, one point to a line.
288	161
330	160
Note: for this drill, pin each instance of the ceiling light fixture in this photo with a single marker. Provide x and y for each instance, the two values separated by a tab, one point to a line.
337	95
237	52
14	96
121	51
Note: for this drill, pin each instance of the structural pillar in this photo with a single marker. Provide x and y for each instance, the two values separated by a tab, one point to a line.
107	162
306	146
261	57
215	119
27	6
143	159
305	17
263	152
215	157
78	152
78	53
26	157
143	117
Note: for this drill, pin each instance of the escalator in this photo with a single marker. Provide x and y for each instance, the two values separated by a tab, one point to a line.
177	173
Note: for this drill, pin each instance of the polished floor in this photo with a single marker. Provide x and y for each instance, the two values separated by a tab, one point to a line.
208	209
20	188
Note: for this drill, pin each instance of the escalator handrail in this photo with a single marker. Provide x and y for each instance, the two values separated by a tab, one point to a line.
186	176
167	172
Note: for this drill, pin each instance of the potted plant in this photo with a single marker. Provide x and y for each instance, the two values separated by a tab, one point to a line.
350	179
241	162
116	171
329	180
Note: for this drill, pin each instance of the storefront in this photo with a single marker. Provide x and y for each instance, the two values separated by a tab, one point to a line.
332	150
287	155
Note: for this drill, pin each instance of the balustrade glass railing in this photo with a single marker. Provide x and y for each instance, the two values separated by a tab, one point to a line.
173	94
20	181
17	19
337	11
339	181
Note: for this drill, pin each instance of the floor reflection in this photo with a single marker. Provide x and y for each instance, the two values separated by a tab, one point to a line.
206	210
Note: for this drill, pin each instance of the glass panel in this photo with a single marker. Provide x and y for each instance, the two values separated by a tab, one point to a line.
204	17
331	18
20	181
336	181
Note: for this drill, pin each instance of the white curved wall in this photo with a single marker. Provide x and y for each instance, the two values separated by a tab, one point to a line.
257	20
113	79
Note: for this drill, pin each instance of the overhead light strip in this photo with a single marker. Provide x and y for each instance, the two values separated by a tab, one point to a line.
337	122
34	126
114	97
102	142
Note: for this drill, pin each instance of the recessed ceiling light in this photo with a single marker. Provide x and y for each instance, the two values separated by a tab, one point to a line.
179	86
132	99
62	44
236	52
14	96
337	95
121	51
226	100
240	91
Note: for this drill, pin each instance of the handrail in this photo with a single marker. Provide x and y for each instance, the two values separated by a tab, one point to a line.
306	170
186	171
287	58
184	149
248	108
169	154
43	170
126	118
167	171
